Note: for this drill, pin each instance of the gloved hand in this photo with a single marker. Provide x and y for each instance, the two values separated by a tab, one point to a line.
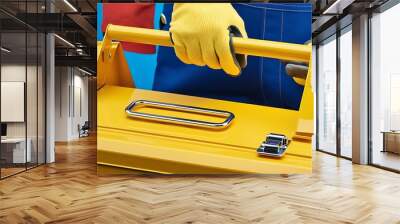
201	33
297	71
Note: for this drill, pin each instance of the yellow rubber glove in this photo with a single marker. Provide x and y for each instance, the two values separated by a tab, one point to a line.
201	33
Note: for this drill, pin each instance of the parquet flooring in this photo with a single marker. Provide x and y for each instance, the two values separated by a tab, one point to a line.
10	171
69	191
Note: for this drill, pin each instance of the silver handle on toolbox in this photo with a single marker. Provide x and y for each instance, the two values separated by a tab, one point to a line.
176	120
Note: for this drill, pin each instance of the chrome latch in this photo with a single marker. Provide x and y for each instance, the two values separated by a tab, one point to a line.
275	145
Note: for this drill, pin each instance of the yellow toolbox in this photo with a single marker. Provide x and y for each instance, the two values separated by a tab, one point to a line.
178	134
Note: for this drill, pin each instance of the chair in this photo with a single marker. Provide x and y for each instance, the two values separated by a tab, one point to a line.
84	130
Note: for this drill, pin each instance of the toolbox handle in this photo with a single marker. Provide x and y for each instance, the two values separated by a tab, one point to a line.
204	124
248	46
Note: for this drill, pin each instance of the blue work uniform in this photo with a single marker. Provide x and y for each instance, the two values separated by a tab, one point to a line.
264	80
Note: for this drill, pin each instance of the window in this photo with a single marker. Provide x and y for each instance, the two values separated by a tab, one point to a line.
385	89
346	92
22	77
327	95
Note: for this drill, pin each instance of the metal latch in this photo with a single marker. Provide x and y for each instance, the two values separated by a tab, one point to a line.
275	145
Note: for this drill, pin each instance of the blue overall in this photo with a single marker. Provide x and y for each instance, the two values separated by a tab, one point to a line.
264	81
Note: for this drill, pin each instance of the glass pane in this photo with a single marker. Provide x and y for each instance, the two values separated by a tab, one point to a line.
385	84
32	85
14	153
31	98
327	96
346	94
41	98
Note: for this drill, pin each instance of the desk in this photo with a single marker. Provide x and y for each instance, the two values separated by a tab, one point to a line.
18	149
391	141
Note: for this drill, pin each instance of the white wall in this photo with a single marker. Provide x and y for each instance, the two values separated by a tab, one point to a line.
17	73
71	102
9	73
61	103
81	84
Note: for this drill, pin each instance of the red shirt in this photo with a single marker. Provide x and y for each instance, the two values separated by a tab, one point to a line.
134	15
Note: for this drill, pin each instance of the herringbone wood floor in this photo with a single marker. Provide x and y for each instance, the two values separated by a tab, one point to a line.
69	191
